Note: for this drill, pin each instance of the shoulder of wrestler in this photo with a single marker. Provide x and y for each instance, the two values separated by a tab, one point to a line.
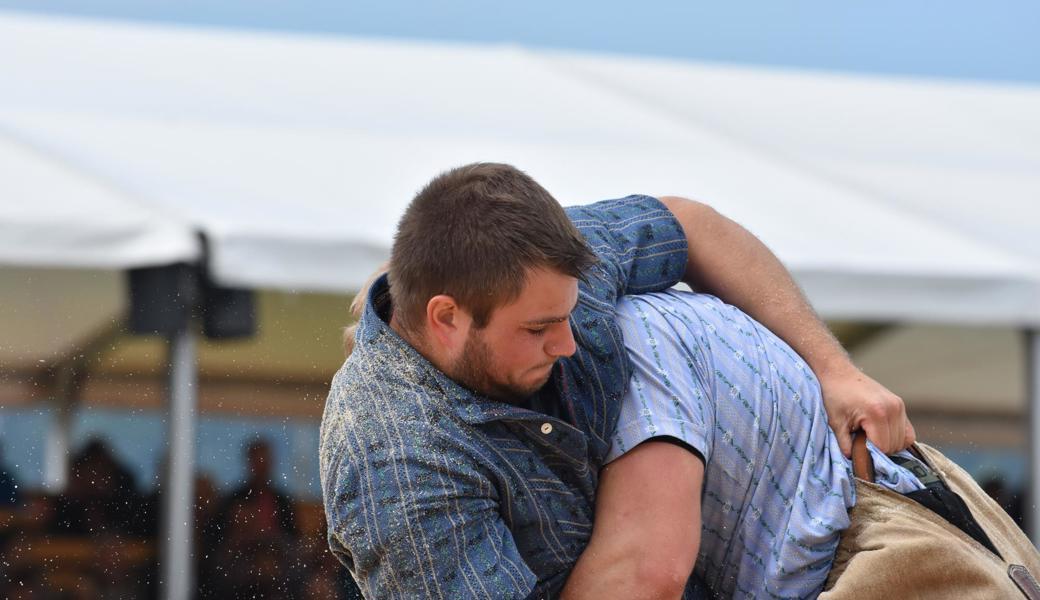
394	454
385	407
373	389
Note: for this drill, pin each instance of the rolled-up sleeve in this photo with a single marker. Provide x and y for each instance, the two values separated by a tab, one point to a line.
640	244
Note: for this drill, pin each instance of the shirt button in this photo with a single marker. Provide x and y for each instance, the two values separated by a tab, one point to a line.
546	428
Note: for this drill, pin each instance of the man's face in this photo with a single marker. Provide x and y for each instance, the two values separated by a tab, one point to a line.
512	357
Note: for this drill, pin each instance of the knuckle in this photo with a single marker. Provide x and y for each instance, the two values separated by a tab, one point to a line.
877	410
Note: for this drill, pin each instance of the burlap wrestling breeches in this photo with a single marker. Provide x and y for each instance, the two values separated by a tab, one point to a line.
896	549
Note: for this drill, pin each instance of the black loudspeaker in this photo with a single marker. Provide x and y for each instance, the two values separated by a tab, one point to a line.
162	298
228	312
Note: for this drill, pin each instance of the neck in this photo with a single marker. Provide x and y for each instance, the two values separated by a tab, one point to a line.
395	324
418	342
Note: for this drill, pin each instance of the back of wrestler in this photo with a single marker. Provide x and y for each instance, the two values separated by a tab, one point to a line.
776	487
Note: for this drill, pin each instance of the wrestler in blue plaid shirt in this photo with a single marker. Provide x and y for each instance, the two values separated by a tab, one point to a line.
434	492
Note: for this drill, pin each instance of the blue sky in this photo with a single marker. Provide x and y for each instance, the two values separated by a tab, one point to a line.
965	39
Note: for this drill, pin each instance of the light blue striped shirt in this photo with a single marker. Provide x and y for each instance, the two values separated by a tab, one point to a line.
776	487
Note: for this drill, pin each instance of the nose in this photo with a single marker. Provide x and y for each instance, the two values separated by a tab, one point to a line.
561	344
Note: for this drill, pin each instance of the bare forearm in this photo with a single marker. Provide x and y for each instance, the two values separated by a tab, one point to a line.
603	574
727	261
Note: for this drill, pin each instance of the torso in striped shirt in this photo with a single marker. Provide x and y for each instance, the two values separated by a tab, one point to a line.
776	486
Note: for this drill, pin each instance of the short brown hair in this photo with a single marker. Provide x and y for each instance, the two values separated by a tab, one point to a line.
472	233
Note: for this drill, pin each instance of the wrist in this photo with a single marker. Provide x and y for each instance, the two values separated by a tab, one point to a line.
836	366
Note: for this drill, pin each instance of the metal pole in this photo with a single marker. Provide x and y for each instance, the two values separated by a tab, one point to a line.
179	497
1033	405
57	448
67	390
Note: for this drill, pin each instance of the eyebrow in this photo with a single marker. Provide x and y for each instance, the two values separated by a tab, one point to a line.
546	321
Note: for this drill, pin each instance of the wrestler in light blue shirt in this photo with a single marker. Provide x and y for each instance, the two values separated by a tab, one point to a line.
776	487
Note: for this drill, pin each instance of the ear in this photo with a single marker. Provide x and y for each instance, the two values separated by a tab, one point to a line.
446	322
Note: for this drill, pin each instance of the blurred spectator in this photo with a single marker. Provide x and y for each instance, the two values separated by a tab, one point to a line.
116	570
207	508
9	501
101	495
151	503
8	485
255	529
269	508
1009	500
100	539
207	530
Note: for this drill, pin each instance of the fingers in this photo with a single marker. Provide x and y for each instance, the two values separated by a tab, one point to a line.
896	429
890	436
882	434
855	401
876	435
910	435
842	431
886	425
844	440
890	415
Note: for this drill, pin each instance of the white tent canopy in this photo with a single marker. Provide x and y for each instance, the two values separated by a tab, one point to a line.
58	214
295	156
963	155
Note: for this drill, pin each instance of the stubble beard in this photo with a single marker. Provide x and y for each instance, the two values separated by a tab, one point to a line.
473	370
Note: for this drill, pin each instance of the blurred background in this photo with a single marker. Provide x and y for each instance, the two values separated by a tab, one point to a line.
190	193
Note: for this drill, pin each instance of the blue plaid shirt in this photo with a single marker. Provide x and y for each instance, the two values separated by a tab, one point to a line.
432	491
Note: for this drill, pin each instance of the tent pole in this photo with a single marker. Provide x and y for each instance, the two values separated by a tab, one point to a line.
177	565
58	443
57	448
1033	406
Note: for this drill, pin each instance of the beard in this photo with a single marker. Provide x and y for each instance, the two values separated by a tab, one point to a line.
474	370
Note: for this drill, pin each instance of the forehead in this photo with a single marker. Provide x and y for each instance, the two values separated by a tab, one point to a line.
546	294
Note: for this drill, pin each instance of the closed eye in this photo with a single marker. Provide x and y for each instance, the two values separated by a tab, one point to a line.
536	331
